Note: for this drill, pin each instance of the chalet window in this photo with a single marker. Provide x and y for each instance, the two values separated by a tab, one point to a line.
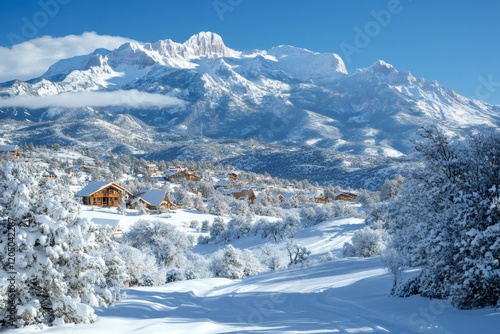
98	200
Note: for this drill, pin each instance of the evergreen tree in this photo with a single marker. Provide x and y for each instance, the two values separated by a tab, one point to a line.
446	220
66	265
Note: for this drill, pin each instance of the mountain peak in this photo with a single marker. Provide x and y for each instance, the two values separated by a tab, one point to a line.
203	44
385	72
382	67
205	37
208	44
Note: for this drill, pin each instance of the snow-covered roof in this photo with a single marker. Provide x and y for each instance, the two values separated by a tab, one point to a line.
289	196
7	148
171	172
94	186
49	173
316	194
154	197
223	183
257	193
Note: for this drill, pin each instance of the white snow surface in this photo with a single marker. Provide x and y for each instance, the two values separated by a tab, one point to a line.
349	295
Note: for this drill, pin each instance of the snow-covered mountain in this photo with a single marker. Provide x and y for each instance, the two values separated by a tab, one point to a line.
285	95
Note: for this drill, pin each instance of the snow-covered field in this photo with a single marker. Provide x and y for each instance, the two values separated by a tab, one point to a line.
339	296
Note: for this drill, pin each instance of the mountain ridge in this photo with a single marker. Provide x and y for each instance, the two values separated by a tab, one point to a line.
285	95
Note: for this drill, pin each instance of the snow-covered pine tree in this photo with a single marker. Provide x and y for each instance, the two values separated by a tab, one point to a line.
446	220
65	264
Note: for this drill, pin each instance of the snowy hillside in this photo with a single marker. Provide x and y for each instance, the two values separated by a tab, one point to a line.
284	95
339	296
295	258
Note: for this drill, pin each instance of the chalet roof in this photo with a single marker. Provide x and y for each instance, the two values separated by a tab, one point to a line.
316	194
8	148
171	172
94	186
154	197
49	173
289	196
79	167
223	183
344	193
257	193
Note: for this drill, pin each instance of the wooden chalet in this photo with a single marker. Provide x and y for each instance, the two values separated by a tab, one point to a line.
49	174
244	194
317	197
175	175
103	194
156	200
153	169
223	183
81	168
345	196
286	196
12	150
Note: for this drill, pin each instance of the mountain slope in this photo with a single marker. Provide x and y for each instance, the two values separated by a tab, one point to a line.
284	95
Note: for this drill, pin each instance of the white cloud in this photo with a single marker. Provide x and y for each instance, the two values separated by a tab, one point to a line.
123	98
32	58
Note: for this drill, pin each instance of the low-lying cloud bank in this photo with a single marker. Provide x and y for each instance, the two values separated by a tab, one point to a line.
120	98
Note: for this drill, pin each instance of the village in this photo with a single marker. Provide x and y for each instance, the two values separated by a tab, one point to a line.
112	194
150	188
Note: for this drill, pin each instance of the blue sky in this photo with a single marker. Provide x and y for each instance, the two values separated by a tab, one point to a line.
456	42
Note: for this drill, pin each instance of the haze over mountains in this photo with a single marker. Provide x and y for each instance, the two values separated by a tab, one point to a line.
140	97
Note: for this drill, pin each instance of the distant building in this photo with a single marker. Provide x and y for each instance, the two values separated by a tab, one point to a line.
244	194
81	168
103	194
287	196
12	150
345	196
177	174
49	174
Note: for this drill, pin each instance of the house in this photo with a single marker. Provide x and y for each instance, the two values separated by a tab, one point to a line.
345	196
317	197
103	193
81	168
49	174
156	199
177	174
12	150
223	183
153	169
244	194
287	196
